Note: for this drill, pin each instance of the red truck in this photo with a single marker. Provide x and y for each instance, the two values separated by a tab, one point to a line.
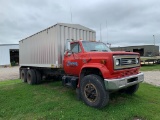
88	66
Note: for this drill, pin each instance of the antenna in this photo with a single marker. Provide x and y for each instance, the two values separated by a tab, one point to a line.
107	30
100	34
70	11
154	45
154	39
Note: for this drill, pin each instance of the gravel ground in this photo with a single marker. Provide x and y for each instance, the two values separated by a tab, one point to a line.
11	73
152	77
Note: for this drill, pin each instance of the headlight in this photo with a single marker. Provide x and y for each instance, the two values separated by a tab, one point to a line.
117	62
137	60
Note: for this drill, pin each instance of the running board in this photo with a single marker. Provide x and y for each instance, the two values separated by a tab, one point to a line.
70	81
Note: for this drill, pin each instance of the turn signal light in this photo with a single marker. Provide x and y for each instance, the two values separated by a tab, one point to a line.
103	62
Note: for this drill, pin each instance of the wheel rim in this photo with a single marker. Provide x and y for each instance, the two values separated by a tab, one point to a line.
90	92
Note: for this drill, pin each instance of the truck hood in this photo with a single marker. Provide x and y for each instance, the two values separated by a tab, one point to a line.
108	57
110	54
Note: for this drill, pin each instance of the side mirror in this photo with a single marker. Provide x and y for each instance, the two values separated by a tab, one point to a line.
68	53
68	46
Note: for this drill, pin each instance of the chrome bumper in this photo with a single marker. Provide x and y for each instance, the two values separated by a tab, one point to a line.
115	84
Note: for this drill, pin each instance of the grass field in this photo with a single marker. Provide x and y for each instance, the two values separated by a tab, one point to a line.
50	100
150	67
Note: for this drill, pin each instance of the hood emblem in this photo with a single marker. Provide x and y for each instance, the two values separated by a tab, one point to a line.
129	61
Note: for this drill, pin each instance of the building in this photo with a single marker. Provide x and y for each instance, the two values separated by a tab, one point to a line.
144	50
9	54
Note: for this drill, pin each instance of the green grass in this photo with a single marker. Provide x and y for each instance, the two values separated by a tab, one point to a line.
53	101
150	67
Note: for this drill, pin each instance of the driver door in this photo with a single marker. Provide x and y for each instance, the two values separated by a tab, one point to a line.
73	60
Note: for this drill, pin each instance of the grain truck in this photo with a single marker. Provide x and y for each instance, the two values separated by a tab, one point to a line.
69	52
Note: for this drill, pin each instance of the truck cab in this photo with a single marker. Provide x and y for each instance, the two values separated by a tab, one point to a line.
95	71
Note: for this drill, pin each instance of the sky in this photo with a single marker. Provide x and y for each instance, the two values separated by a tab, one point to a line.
120	22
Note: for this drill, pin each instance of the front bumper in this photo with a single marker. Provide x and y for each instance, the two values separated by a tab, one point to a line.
116	84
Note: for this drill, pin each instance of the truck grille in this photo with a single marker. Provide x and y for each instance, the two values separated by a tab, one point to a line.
126	61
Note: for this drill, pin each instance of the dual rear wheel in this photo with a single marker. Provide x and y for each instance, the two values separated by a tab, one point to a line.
31	76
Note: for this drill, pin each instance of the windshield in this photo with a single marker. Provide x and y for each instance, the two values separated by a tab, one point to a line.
95	46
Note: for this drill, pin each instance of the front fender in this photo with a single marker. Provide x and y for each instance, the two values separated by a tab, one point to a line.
104	70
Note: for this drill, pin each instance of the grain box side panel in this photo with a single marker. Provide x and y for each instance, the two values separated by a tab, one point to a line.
62	43
40	50
46	48
64	34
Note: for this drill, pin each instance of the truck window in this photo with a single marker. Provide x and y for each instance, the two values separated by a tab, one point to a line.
95	46
75	47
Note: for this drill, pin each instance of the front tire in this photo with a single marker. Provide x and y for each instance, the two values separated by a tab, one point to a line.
93	91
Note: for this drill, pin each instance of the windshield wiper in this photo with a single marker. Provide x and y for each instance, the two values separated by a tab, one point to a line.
93	50
105	50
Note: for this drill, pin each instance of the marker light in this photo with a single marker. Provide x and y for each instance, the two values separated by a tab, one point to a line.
103	62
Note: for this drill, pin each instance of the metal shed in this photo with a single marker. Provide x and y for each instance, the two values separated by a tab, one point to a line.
144	50
9	53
